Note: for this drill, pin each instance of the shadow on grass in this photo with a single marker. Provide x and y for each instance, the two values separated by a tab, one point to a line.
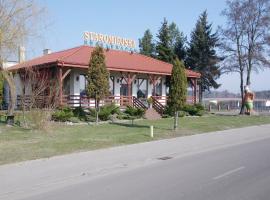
134	125
130	125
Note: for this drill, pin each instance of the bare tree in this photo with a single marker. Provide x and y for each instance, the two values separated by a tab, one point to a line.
39	95
244	39
18	19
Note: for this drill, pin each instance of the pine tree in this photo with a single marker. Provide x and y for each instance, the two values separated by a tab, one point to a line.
201	54
163	49
97	77
146	44
178	87
180	48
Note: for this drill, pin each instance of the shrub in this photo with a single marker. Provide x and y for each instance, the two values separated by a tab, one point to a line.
196	109
74	119
199	106
168	111
79	113
62	115
137	112
105	112
38	119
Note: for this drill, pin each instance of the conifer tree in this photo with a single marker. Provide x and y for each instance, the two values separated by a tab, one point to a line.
201	54
97	78
177	42
178	90
146	44
178	87
163	49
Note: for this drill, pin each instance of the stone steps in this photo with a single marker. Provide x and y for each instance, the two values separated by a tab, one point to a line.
152	114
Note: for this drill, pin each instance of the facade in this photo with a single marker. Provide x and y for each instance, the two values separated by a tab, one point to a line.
133	77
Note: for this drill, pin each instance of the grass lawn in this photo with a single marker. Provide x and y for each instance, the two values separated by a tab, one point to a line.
17	144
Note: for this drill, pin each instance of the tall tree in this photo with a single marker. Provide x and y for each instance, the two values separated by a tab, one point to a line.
178	86
163	48
146	44
178	89
201	54
97	78
244	39
177	42
18	21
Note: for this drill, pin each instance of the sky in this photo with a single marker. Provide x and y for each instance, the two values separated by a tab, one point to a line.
67	20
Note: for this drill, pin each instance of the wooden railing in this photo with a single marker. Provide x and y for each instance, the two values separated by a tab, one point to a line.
86	102
137	103
41	101
158	106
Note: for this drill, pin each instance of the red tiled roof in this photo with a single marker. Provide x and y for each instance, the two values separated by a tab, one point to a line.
115	60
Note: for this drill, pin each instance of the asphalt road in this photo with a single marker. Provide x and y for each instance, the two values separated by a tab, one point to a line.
240	172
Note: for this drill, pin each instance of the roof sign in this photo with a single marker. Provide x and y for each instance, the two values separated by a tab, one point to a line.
108	41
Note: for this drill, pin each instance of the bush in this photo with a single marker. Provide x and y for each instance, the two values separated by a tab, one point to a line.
168	111
199	106
136	112
105	112
79	113
38	119
196	109
74	119
62	115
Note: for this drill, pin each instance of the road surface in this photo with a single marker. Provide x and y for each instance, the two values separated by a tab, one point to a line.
225	165
237	173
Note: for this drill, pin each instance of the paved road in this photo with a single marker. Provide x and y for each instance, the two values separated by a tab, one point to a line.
239	172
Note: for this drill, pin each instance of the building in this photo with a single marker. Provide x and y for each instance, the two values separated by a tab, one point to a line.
133	77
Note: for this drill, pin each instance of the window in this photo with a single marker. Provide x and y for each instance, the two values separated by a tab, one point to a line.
83	84
111	80
158	88
142	88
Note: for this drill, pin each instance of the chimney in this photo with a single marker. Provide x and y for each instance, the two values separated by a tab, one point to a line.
21	54
47	51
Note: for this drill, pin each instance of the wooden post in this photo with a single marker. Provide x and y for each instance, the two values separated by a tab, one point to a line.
195	90
129	79
60	85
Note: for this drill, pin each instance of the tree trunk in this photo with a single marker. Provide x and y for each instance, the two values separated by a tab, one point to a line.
97	110
242	93
248	72
12	89
175	127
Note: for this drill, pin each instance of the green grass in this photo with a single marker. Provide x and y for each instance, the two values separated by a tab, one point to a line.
17	144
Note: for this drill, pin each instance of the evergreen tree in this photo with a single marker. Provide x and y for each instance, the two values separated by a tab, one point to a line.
201	54
163	49
97	77
146	44
177	42
178	87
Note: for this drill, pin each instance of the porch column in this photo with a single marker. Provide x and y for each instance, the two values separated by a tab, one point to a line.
129	78
153	80
60	75
195	90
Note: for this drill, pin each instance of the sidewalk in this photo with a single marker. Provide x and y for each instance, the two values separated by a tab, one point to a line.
32	177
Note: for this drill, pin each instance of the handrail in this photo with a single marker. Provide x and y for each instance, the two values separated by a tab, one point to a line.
138	104
158	106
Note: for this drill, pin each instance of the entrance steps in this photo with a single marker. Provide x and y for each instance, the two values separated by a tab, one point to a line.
152	114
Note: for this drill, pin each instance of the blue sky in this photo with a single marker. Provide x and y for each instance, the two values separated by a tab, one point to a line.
129	18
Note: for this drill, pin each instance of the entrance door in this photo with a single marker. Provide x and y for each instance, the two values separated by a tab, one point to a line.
124	90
